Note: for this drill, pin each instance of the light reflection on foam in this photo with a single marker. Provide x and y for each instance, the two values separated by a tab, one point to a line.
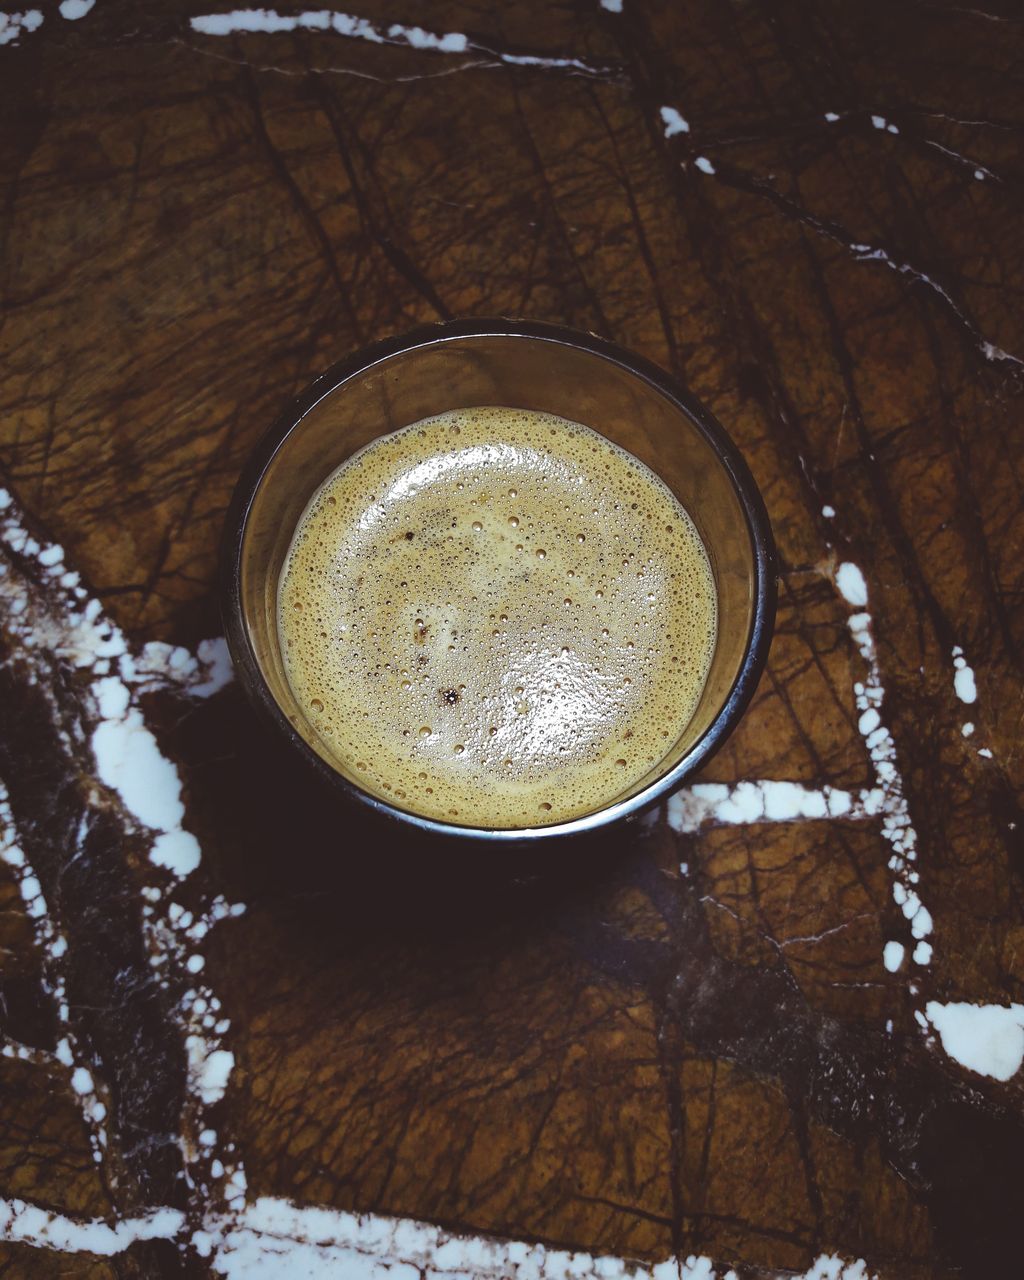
446	466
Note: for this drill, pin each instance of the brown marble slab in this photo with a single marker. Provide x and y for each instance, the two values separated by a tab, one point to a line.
682	1049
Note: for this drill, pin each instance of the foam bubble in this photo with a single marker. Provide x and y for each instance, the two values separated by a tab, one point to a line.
428	649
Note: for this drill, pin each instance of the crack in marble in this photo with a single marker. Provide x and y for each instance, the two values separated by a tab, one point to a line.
961	11
862	251
482	64
980	171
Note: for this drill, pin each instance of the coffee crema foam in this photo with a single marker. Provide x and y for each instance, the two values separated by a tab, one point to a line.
497	618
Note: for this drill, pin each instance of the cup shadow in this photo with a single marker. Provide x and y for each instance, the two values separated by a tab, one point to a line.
281	837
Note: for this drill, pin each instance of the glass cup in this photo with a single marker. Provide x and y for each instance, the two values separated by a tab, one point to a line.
521	364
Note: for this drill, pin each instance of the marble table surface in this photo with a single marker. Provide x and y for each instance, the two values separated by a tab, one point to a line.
774	1029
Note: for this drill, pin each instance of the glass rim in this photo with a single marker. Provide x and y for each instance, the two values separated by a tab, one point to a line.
762	620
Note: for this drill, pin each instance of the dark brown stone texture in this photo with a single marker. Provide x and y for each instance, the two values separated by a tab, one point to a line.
606	1053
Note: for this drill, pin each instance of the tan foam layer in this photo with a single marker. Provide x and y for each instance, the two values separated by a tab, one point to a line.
497	618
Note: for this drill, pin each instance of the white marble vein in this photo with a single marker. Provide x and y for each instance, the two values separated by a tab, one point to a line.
272	1239
985	1038
869	694
353	27
674	122
33	1225
13	25
766	800
991	352
53	946
54	616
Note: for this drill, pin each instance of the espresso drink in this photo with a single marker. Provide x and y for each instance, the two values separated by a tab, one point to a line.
497	618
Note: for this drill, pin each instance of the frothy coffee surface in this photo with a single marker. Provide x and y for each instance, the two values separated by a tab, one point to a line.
497	618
